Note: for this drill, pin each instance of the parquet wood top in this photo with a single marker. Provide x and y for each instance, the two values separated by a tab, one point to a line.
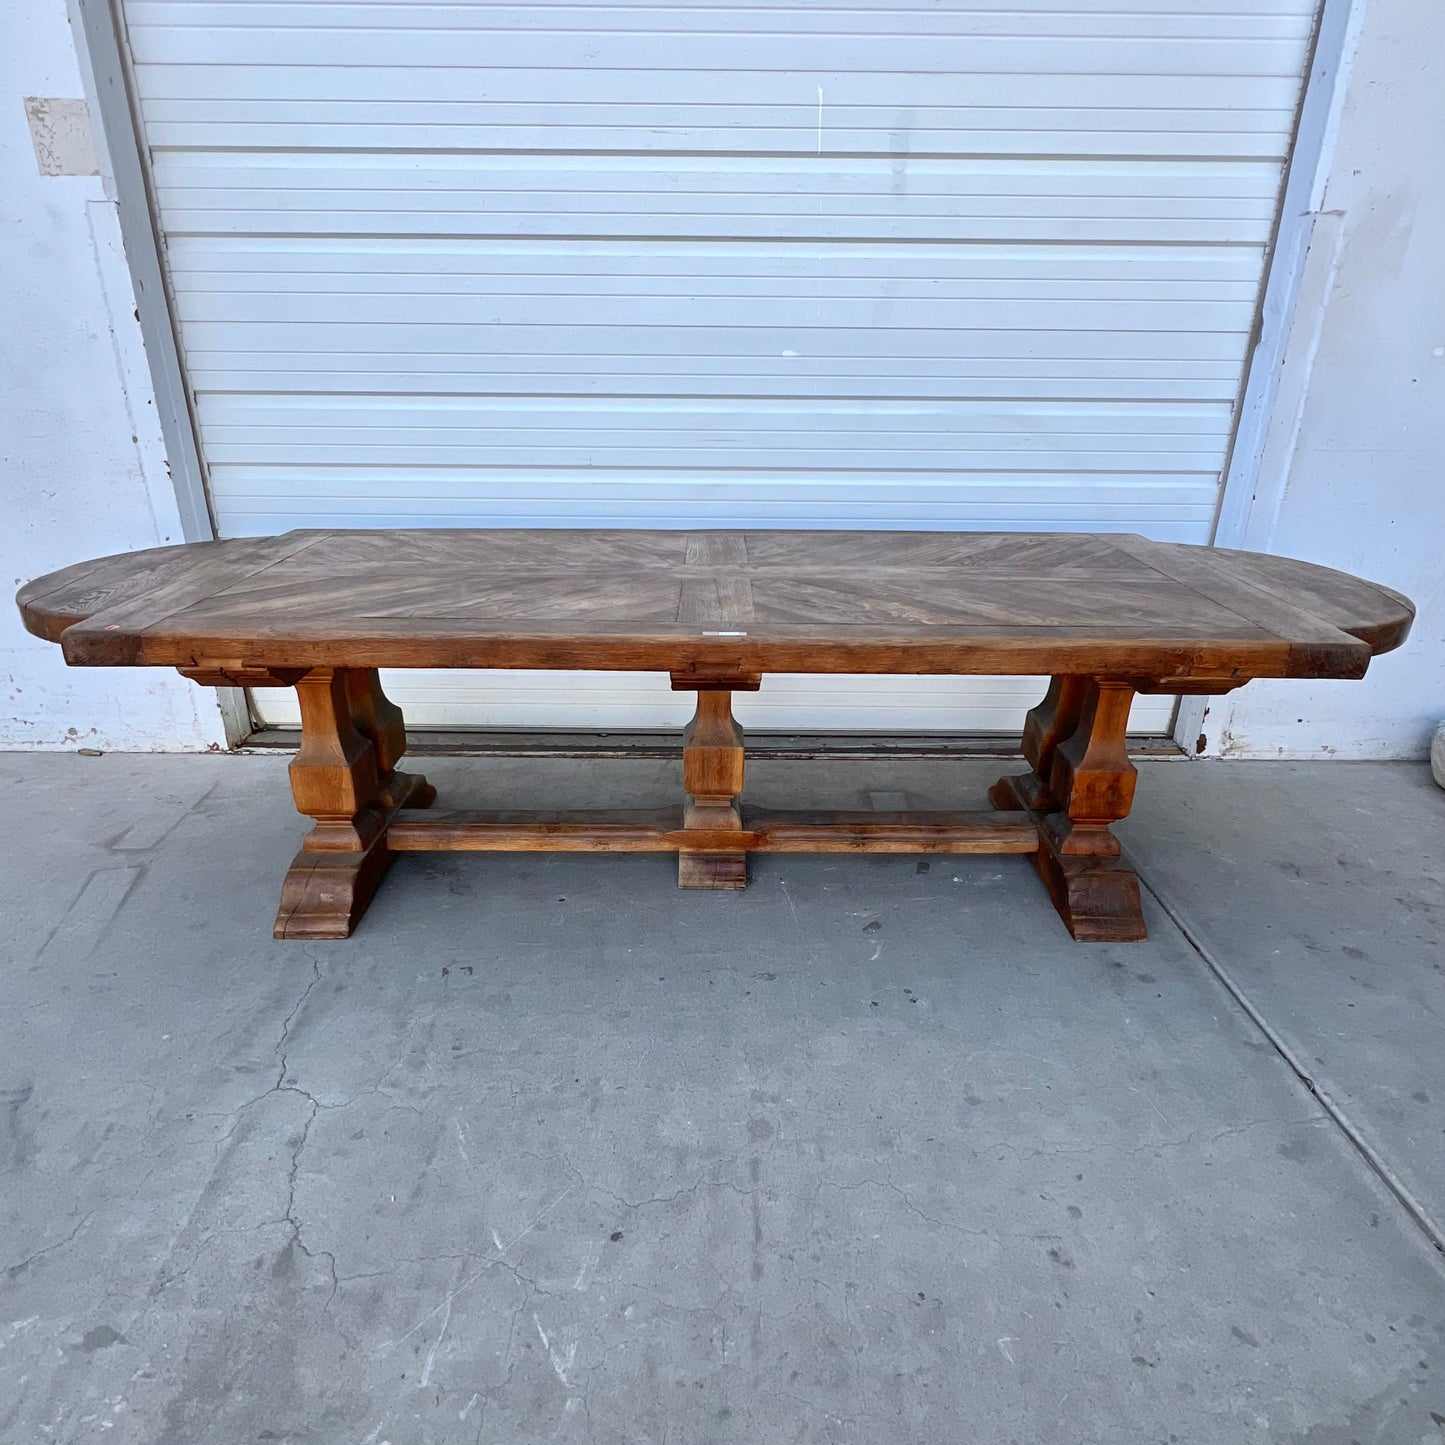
731	602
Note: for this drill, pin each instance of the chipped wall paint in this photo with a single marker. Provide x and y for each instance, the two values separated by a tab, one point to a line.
60	132
82	467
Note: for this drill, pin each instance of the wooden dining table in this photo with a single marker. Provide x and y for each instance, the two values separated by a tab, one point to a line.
1105	616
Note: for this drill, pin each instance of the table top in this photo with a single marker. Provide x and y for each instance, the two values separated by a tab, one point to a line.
733	602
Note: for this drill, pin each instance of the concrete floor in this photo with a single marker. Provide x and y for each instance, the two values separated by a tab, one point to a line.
870	1153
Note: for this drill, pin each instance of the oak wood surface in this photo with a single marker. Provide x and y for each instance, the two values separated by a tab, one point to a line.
1106	615
723	605
1081	782
712	776
664	830
344	777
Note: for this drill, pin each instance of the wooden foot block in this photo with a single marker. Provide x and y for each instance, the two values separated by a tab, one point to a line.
1004	796
1020	793
712	870
1098	898
410	790
325	894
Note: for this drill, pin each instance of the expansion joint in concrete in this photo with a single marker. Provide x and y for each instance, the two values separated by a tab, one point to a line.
1413	1206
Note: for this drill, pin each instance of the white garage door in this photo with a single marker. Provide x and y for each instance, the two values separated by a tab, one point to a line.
981	264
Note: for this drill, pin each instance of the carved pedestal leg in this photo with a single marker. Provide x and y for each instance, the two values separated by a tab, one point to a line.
1090	784
379	720
344	777
1045	727
712	770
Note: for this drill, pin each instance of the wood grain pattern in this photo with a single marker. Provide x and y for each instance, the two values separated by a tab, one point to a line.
663	831
1107	616
733	603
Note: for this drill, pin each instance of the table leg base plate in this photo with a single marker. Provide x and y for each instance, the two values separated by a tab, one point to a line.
1098	899
325	894
712	870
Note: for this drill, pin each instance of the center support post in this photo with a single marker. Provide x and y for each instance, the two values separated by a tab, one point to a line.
712	775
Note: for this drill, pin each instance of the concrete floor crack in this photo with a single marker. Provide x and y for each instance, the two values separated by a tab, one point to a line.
290	1018
19	1268
291	1217
904	1196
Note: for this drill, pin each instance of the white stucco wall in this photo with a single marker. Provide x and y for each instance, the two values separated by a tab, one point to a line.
1354	471
82	466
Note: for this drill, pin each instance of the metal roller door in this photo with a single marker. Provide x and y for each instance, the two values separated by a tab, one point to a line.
989	264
